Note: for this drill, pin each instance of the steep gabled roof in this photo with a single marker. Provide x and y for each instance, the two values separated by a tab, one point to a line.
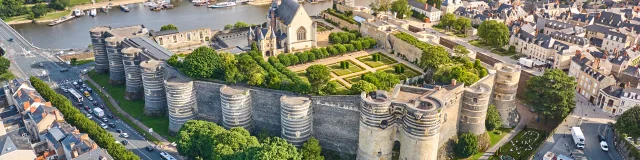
287	10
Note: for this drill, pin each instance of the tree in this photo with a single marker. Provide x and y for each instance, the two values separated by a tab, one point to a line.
231	73
460	50
311	150
462	24
203	62
318	76
206	140
173	61
168	27
330	88
447	20
240	24
551	94
362	86
494	33
512	49
432	58
254	46
39	10
401	8
493	118
380	5
382	80
73	61
228	26
274	148
59	4
303	57
629	122
466	145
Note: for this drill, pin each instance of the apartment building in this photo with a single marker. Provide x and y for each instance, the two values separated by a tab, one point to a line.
590	81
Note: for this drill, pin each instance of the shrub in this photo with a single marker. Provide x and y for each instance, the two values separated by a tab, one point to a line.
466	145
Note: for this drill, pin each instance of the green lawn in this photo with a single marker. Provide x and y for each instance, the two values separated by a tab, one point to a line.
408	72
77	2
303	75
502	52
354	79
83	61
54	15
479	43
497	137
353	68
135	108
373	64
523	144
342	88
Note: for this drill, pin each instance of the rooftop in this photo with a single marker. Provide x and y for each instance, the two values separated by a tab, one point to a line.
151	49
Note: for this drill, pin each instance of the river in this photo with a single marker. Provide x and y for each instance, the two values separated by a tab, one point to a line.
75	33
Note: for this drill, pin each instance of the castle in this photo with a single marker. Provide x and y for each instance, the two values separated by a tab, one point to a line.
420	119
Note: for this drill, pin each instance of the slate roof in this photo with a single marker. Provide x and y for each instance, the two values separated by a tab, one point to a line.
597	28
81	145
609	19
150	48
615	36
287	10
96	154
596	42
557	25
423	6
153	33
593	73
631	71
582	17
614	91
13	141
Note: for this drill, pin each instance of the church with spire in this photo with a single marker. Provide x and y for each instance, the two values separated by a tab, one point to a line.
288	29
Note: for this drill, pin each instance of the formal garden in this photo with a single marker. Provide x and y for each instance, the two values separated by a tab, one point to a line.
375	61
403	72
522	145
345	67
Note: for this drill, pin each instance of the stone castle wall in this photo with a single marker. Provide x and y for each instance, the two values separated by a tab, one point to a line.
341	23
335	118
412	53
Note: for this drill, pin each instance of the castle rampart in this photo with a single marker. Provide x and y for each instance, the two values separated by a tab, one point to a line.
506	86
155	99
131	63
296	119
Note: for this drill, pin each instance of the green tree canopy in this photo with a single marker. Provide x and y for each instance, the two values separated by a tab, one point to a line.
382	80
362	86
447	20
168	27
402	8
493	118
380	5
318	76
202	63
462	24
460	50
433	57
629	122
466	145
311	150
240	24
494	33
551	94
39	10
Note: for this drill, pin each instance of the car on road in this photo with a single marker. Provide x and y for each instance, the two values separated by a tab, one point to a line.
124	135
604	146
104	126
90	98
86	108
65	90
105	120
102	106
89	116
109	116
10	40
149	148
601	138
125	142
118	131
95	103
112	125
84	85
64	69
41	64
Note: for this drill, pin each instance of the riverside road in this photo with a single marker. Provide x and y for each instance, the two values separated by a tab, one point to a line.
25	60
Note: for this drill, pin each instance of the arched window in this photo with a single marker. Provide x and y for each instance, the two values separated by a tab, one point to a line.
302	33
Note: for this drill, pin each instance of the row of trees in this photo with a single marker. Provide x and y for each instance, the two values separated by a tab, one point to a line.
450	22
206	140
343	37
5	74
237	25
168	27
288	59
401	8
10	8
375	81
79	120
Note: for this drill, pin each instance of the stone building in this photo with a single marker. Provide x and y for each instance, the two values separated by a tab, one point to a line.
103	48
174	40
590	81
288	29
505	89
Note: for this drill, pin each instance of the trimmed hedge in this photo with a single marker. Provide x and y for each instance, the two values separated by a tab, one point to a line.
341	16
84	124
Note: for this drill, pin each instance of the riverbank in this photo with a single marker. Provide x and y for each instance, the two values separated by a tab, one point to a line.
50	17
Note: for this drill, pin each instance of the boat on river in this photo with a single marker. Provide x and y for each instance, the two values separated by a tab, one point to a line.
201	4
124	8
105	9
223	5
243	1
61	19
77	12
93	12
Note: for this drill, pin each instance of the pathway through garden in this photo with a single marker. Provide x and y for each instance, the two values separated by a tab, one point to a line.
525	117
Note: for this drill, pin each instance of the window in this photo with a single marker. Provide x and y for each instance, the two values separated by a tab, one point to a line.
188	36
302	33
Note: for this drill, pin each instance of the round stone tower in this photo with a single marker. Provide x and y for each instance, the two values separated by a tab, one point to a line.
155	101
116	69
131	63
181	100
296	119
475	101
377	129
421	130
236	107
100	54
506	86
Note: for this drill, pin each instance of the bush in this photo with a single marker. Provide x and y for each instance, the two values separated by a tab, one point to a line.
493	118
466	145
79	120
512	49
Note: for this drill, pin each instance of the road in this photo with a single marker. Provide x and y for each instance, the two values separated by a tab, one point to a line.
25	61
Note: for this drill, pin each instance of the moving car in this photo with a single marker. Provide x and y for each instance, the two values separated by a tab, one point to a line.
110	116
104	126
118	131
125	142
105	120
601	138
149	148
41	64
124	135
112	125
89	116
64	69
604	146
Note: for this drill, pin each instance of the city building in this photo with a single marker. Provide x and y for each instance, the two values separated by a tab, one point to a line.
590	81
174	40
430	12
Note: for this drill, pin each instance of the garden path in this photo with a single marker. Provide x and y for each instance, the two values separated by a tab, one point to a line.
524	119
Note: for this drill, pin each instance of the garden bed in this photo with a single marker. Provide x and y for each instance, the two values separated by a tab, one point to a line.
479	43
408	72
303	75
354	79
368	60
523	144
337	69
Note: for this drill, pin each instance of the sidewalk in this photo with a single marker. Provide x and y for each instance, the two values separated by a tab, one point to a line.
524	119
119	110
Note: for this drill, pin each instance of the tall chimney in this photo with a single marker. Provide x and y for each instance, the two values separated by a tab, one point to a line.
453	82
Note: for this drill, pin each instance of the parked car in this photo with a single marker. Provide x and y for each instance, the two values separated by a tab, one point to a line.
104	126
604	146
89	116
149	148
112	125
95	103
90	98
105	120
41	64
601	138
64	69
65	90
